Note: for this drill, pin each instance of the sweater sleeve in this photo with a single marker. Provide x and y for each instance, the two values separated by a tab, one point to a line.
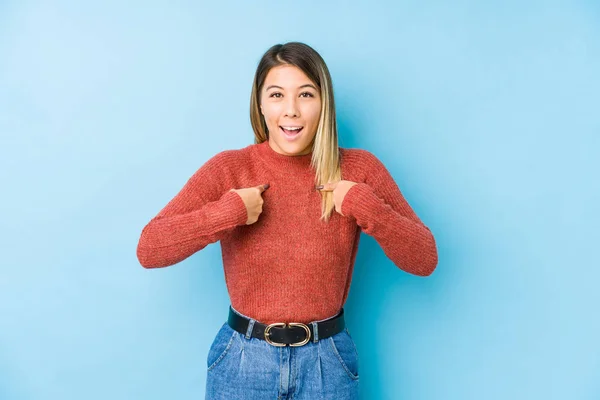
203	212
381	211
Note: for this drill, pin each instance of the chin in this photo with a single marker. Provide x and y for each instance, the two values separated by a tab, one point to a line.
292	148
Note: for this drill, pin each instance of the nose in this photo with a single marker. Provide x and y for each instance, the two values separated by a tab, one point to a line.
291	108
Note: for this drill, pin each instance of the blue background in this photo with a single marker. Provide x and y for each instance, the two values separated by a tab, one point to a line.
485	114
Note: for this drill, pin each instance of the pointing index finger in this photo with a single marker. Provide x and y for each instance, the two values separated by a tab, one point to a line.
328	187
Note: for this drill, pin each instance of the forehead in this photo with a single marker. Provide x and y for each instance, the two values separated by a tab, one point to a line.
286	76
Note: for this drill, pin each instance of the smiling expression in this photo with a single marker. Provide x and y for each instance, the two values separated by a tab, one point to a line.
291	106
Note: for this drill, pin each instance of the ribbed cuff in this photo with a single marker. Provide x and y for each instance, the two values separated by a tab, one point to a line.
233	208
360	201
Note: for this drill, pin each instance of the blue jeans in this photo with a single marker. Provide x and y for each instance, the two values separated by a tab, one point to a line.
240	367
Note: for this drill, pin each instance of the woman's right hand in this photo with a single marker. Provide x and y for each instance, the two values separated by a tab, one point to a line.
253	200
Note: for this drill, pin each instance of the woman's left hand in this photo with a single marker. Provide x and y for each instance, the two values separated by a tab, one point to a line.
339	189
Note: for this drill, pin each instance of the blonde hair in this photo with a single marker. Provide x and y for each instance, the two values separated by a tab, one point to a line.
326	154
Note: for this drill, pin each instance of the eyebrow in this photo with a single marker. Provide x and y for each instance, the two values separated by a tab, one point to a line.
279	87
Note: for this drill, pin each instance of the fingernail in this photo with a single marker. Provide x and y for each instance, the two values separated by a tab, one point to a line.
319	187
267	186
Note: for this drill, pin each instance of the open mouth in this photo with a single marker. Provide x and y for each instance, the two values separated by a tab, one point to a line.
291	132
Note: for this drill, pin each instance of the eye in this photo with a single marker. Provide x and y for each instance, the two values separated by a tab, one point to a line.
273	94
308	93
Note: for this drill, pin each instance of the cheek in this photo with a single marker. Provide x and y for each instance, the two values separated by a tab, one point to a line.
271	115
313	114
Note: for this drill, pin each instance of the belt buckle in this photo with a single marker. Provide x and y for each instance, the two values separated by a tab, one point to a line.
283	324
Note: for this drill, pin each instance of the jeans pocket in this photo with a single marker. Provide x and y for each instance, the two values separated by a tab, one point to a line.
220	346
344	348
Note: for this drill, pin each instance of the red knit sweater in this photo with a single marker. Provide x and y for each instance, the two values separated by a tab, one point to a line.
289	266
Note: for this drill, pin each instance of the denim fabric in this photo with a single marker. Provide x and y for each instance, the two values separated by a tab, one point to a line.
240	367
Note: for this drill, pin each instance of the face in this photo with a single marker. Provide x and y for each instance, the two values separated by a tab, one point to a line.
291	105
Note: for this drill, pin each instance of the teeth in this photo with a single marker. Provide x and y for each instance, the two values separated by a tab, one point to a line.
292	128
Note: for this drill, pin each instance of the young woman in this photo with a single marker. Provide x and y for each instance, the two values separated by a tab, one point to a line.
288	211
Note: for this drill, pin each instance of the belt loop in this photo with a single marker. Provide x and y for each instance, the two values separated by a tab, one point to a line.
315	331
250	328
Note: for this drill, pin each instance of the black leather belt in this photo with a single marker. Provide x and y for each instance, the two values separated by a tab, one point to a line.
291	333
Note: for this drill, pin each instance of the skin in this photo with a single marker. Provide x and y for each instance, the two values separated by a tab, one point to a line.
290	98
339	189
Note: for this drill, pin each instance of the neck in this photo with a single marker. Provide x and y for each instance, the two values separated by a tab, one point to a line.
295	164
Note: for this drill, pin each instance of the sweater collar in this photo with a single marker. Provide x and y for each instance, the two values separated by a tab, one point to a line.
283	163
